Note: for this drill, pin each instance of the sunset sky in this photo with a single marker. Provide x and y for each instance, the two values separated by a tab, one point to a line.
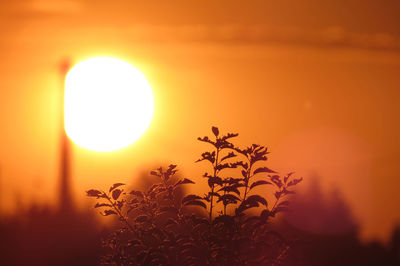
318	82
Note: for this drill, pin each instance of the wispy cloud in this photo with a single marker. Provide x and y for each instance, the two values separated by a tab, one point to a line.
238	34
53	6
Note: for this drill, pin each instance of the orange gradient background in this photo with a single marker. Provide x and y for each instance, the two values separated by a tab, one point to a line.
318	83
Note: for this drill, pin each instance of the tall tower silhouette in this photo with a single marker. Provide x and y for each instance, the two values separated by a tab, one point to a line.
65	194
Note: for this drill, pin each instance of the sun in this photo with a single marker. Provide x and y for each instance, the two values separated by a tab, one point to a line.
108	104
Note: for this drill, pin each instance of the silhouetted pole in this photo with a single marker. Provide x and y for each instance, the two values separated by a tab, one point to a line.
1	193
65	195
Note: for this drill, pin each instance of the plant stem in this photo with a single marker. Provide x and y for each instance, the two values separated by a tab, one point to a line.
211	202
247	181
224	204
213	185
122	217
276	202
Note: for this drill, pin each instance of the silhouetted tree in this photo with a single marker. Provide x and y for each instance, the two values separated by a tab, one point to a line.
312	210
325	233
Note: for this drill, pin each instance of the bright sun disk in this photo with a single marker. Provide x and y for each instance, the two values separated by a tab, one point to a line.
108	104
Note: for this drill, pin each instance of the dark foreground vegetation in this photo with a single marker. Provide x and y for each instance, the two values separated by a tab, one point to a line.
161	229
162	224
40	236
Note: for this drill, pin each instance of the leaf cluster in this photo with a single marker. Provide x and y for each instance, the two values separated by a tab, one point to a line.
232	229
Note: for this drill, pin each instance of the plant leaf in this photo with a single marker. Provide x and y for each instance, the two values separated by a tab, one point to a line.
246	205
229	155
155	173
294	182
259	182
171	167
244	173
215	131
214	180
115	186
265	214
257	198
278	194
206	139
190	198
232	188
229	135
214	194
197	203
120	203
277	181
285	179
108	212
263	170
220	167
116	193
228	198
153	187
184	181
136	193
95	193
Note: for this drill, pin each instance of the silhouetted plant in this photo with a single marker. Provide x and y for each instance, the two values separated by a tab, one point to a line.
159	230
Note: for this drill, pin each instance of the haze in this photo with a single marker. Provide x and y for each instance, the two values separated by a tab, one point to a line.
316	81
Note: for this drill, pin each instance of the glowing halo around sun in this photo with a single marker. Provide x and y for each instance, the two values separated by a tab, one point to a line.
108	104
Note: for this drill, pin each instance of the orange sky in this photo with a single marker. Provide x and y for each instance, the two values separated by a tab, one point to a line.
317	82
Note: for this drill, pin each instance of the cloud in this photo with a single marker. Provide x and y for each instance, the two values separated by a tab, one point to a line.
53	6
262	35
